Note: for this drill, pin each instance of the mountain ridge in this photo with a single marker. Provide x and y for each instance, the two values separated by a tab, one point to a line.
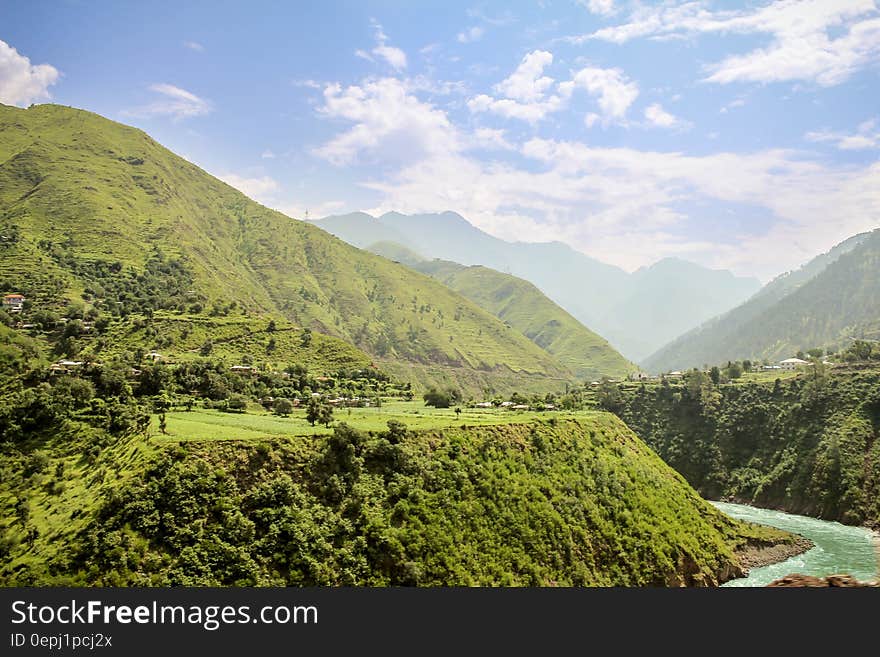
602	297
830	299
83	195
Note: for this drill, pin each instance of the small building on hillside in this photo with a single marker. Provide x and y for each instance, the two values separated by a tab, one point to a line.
483	405
13	303
243	369
793	363
677	374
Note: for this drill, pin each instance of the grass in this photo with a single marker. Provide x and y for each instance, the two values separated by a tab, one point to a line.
203	424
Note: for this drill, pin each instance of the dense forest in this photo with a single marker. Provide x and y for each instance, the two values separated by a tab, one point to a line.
555	503
805	445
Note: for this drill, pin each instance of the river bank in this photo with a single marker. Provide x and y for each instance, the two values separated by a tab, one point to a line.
758	555
831	548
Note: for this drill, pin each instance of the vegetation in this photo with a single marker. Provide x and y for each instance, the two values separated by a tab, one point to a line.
806	444
552	503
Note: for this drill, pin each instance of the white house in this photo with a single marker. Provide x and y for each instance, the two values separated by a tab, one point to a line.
14	303
792	363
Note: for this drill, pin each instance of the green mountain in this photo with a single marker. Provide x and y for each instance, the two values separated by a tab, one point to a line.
525	308
826	303
97	214
576	502
671	297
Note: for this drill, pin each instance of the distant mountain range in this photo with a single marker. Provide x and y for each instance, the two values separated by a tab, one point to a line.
831	300
523	307
637	313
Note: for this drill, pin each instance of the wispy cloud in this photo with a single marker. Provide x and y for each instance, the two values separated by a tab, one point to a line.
194	45
819	41
474	33
21	82
660	118
599	7
394	57
866	137
174	102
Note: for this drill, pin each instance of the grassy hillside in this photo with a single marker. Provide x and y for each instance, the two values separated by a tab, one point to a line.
829	301
562	502
98	214
525	308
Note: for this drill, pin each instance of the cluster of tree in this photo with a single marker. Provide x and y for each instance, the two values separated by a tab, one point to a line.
442	398
806	444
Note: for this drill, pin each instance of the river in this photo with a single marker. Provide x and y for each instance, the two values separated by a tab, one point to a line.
839	549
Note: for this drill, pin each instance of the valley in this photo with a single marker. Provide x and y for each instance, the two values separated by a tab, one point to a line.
196	390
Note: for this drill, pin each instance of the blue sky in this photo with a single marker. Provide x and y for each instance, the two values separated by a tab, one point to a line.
736	135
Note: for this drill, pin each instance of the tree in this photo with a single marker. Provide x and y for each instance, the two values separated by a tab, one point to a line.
207	348
163	424
237	403
306	338
715	375
437	399
272	327
283	407
319	411
733	371
610	397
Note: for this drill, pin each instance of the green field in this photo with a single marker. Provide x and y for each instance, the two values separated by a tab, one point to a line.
204	424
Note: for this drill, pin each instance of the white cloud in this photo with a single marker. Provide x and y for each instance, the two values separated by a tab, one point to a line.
23	83
267	155
174	102
659	117
391	124
525	92
194	45
866	137
529	95
623	205
614	91
261	189
471	34
492	139
527	83
394	57
600	7
822	41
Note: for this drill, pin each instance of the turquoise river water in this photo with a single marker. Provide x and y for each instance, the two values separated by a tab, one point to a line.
839	549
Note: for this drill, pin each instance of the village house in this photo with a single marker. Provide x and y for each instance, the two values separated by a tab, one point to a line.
484	405
13	303
243	369
792	363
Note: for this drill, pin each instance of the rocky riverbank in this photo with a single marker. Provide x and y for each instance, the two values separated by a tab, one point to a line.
837	581
757	554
